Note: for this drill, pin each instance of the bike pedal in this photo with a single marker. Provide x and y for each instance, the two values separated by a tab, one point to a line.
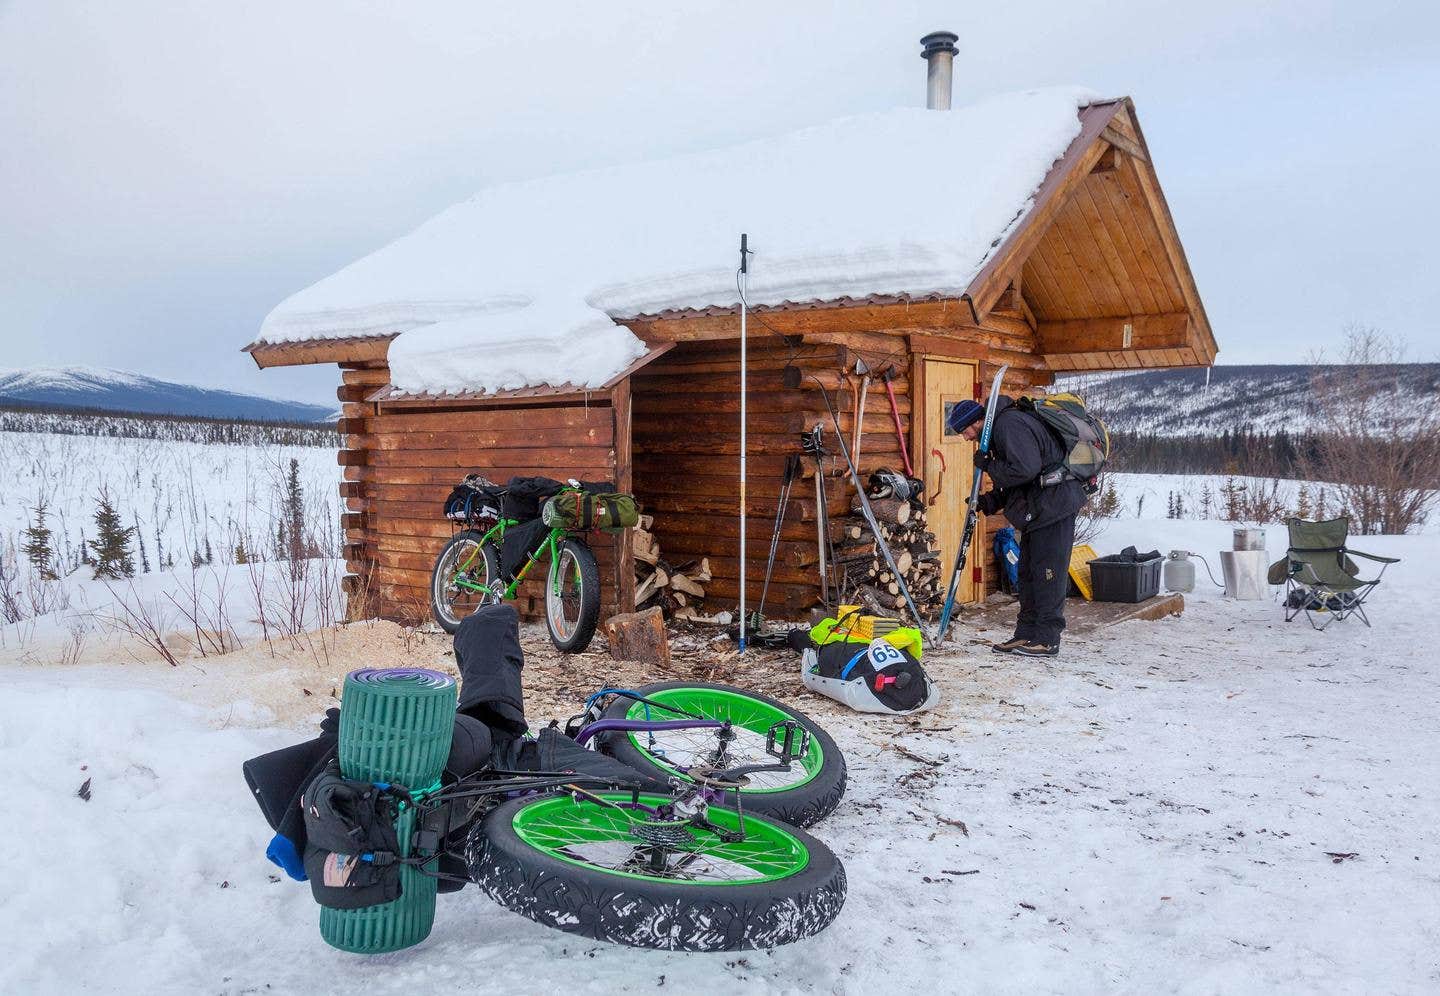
787	741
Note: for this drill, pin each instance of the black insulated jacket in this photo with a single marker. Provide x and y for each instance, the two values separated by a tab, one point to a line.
1021	448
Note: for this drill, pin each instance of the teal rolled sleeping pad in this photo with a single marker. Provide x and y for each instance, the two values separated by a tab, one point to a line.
395	726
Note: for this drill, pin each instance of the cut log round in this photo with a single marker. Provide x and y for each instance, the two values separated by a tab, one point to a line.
638	636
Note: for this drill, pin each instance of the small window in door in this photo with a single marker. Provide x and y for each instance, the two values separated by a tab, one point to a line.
947	407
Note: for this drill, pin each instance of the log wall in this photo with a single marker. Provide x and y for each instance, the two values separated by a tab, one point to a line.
401	464
686	444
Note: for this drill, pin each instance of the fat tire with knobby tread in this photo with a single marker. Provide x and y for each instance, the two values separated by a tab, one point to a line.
671	916
800	807
492	569
589	597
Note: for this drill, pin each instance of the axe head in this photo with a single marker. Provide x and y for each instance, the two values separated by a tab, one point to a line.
862	369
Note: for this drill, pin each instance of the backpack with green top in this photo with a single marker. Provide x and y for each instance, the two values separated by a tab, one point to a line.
1083	437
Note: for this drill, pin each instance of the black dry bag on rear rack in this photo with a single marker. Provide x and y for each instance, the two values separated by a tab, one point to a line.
1083	438
474	498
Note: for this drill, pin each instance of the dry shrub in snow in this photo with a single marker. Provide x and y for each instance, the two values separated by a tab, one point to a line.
1379	445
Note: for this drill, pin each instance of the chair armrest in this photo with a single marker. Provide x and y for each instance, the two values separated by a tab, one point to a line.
1371	556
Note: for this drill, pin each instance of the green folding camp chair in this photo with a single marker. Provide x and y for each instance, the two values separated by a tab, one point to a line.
1319	577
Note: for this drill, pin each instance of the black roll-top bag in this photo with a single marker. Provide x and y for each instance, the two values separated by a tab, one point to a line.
352	854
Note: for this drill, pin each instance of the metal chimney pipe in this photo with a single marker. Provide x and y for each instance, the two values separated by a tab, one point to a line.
939	52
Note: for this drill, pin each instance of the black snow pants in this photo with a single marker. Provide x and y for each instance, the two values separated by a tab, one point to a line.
1044	579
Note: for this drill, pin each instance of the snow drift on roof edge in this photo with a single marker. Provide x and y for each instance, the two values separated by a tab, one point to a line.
519	285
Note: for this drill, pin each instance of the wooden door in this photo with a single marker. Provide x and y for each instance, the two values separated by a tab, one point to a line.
949	462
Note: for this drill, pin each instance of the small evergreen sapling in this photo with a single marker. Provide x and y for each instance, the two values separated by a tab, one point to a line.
111	550
38	548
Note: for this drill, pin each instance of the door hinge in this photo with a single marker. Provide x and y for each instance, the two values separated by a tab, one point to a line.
976	386
975	574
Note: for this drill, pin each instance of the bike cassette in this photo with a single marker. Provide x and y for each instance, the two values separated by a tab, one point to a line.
669	833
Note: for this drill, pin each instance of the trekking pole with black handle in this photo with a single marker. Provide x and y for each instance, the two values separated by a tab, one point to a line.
792	471
812	444
970	509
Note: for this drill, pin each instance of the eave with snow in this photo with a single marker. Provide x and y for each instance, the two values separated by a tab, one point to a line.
587	325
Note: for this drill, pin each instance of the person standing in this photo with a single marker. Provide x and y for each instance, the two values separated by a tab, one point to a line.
1022	450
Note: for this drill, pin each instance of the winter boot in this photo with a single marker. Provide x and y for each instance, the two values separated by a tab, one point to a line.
1034	648
1008	647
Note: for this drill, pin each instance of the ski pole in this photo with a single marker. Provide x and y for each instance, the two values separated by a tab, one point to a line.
742	278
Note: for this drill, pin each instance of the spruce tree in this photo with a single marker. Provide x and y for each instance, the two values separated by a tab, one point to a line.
294	507
111	549
37	545
140	541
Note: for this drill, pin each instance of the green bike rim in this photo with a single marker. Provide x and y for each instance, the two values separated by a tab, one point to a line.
601	838
749	717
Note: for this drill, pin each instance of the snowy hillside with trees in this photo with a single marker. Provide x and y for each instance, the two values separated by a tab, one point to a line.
1259	399
120	391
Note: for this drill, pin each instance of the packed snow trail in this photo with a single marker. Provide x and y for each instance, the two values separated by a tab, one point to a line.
1157	810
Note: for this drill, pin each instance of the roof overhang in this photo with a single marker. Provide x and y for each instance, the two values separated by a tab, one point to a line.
352	349
389	397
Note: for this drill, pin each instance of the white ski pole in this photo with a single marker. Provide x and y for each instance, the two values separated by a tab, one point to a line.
744	272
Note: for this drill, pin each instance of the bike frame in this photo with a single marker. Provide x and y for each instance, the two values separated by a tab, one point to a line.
547	551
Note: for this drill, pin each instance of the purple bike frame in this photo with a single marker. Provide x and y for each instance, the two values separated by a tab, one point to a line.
636	725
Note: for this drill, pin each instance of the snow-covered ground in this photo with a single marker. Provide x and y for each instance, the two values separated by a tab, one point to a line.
181	496
1160	809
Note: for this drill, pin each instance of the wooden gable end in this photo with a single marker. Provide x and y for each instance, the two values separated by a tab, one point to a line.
1097	269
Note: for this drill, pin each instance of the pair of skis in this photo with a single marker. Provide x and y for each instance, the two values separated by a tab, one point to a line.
971	510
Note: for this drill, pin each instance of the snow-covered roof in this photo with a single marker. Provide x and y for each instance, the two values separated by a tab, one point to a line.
522	284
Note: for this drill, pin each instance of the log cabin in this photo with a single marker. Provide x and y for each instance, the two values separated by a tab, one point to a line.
1043	242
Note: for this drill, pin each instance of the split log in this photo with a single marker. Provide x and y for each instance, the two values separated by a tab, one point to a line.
681	583
638	636
647	551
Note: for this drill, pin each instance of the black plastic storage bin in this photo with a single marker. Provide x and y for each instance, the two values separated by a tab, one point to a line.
1118	578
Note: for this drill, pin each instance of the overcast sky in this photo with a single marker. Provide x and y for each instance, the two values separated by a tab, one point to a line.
169	171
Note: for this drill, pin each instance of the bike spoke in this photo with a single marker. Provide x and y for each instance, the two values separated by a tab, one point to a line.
750	721
582	832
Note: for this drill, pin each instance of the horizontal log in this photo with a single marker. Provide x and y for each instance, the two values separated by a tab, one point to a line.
371	377
351	489
350	426
479	459
1132	332
494	418
351	458
450	476
645	405
521	436
353	393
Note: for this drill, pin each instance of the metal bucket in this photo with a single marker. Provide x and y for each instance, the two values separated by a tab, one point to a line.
1244	574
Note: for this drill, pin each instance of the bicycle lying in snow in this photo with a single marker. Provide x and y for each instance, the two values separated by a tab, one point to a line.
693	843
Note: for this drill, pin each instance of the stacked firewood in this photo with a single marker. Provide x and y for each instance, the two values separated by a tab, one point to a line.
866	579
677	589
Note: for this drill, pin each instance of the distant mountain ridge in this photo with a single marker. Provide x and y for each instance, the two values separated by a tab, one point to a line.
120	391
1261	398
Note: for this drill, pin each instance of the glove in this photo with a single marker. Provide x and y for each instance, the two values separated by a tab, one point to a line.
984	460
989	503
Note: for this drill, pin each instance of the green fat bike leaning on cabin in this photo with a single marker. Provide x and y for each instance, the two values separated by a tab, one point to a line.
471	570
